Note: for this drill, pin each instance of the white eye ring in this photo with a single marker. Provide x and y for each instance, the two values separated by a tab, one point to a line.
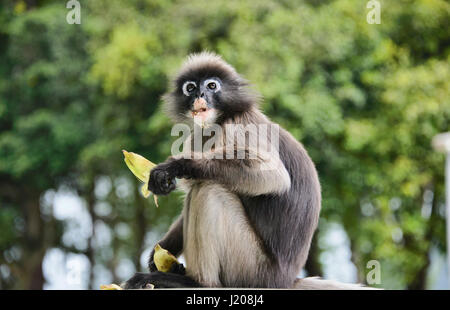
215	82
185	85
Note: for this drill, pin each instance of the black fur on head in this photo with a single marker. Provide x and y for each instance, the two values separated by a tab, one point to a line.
231	97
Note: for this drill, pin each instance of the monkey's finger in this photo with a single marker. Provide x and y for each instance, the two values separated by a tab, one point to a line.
165	181
154	183
172	184
162	182
178	268
159	181
152	266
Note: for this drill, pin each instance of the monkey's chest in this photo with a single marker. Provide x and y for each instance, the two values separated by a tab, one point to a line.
218	240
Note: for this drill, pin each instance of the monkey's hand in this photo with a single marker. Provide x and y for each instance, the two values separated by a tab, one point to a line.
151	262
175	268
162	179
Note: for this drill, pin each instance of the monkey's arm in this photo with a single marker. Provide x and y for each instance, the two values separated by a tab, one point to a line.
172	241
256	176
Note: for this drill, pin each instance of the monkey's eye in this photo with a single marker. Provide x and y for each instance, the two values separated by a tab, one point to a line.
189	87
213	85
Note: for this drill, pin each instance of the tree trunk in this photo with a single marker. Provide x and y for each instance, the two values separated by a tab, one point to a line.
140	228
90	252
34	243
419	282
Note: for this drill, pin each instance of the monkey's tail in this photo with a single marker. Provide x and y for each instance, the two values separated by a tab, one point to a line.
316	283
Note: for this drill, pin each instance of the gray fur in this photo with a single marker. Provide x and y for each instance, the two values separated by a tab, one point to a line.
243	226
315	283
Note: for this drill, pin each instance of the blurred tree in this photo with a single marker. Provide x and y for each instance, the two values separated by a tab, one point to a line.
44	124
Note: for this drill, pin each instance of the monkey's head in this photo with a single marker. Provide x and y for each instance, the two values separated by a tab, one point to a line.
208	89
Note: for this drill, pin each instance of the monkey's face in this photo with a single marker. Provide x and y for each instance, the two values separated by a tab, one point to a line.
208	90
202	99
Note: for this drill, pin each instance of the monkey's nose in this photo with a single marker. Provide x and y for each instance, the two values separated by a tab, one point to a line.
202	95
200	104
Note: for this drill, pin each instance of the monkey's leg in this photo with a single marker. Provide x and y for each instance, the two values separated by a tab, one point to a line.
160	280
172	242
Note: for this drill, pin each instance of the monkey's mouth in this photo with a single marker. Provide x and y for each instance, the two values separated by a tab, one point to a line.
202	113
203	117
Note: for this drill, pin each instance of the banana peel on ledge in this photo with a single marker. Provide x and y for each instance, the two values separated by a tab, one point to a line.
115	287
110	287
140	167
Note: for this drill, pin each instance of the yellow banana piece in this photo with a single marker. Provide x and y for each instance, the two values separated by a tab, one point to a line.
115	287
110	287
163	259
140	167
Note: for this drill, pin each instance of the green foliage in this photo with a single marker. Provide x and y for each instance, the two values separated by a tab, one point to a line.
364	99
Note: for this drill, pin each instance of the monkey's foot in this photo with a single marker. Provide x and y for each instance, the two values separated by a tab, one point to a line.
159	280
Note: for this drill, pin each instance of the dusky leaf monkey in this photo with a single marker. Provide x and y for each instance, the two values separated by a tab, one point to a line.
246	222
